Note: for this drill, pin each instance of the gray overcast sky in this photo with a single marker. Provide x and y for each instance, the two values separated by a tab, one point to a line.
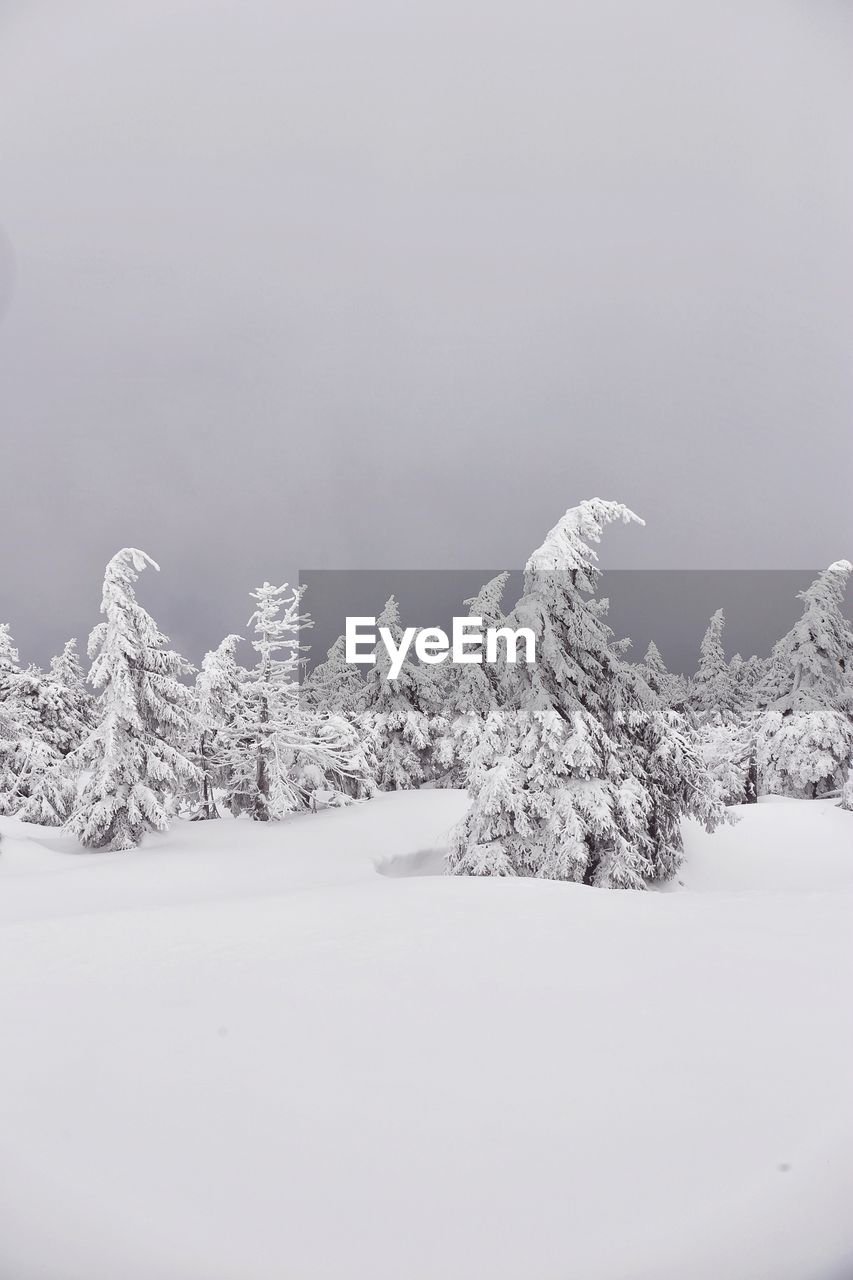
391	283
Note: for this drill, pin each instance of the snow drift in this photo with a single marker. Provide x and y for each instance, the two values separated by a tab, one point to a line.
239	1053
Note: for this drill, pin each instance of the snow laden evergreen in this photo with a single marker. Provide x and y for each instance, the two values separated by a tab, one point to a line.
721	704
401	718
669	688
285	755
583	775
61	713
43	716
47	784
336	686
70	713
712	690
137	767
805	739
218	704
13	722
474	690
336	691
9	659
728	751
21	755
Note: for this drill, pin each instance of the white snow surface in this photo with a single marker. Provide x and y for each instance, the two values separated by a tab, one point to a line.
294	1052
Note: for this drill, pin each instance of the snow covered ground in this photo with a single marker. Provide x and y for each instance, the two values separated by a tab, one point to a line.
295	1052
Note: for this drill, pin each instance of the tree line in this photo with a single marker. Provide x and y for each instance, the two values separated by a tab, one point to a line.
580	766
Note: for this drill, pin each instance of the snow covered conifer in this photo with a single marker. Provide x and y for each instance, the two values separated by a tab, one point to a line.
217	714
335	685
584	777
13	722
655	670
135	753
670	689
9	660
26	749
474	693
72	713
488	842
400	719
805	741
63	706
728	751
48	713
547	797
51	786
712	695
47	731
750	677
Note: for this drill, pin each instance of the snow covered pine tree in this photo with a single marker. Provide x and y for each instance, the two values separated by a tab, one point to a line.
474	691
670	689
711	691
583	776
722	707
135	753
335	686
16	724
45	715
63	710
401	718
805	741
217	708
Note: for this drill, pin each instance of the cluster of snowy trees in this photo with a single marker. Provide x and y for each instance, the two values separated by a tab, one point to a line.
779	725
580	766
149	743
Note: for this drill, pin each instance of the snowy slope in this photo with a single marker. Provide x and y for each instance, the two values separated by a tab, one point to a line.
290	1052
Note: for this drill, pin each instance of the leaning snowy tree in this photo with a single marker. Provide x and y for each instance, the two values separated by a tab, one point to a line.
286	755
583	776
135	758
805	740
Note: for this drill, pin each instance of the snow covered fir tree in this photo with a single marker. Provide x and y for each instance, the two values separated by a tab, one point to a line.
217	707
472	692
401	719
805	737
43	717
135	759
583	766
584	775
